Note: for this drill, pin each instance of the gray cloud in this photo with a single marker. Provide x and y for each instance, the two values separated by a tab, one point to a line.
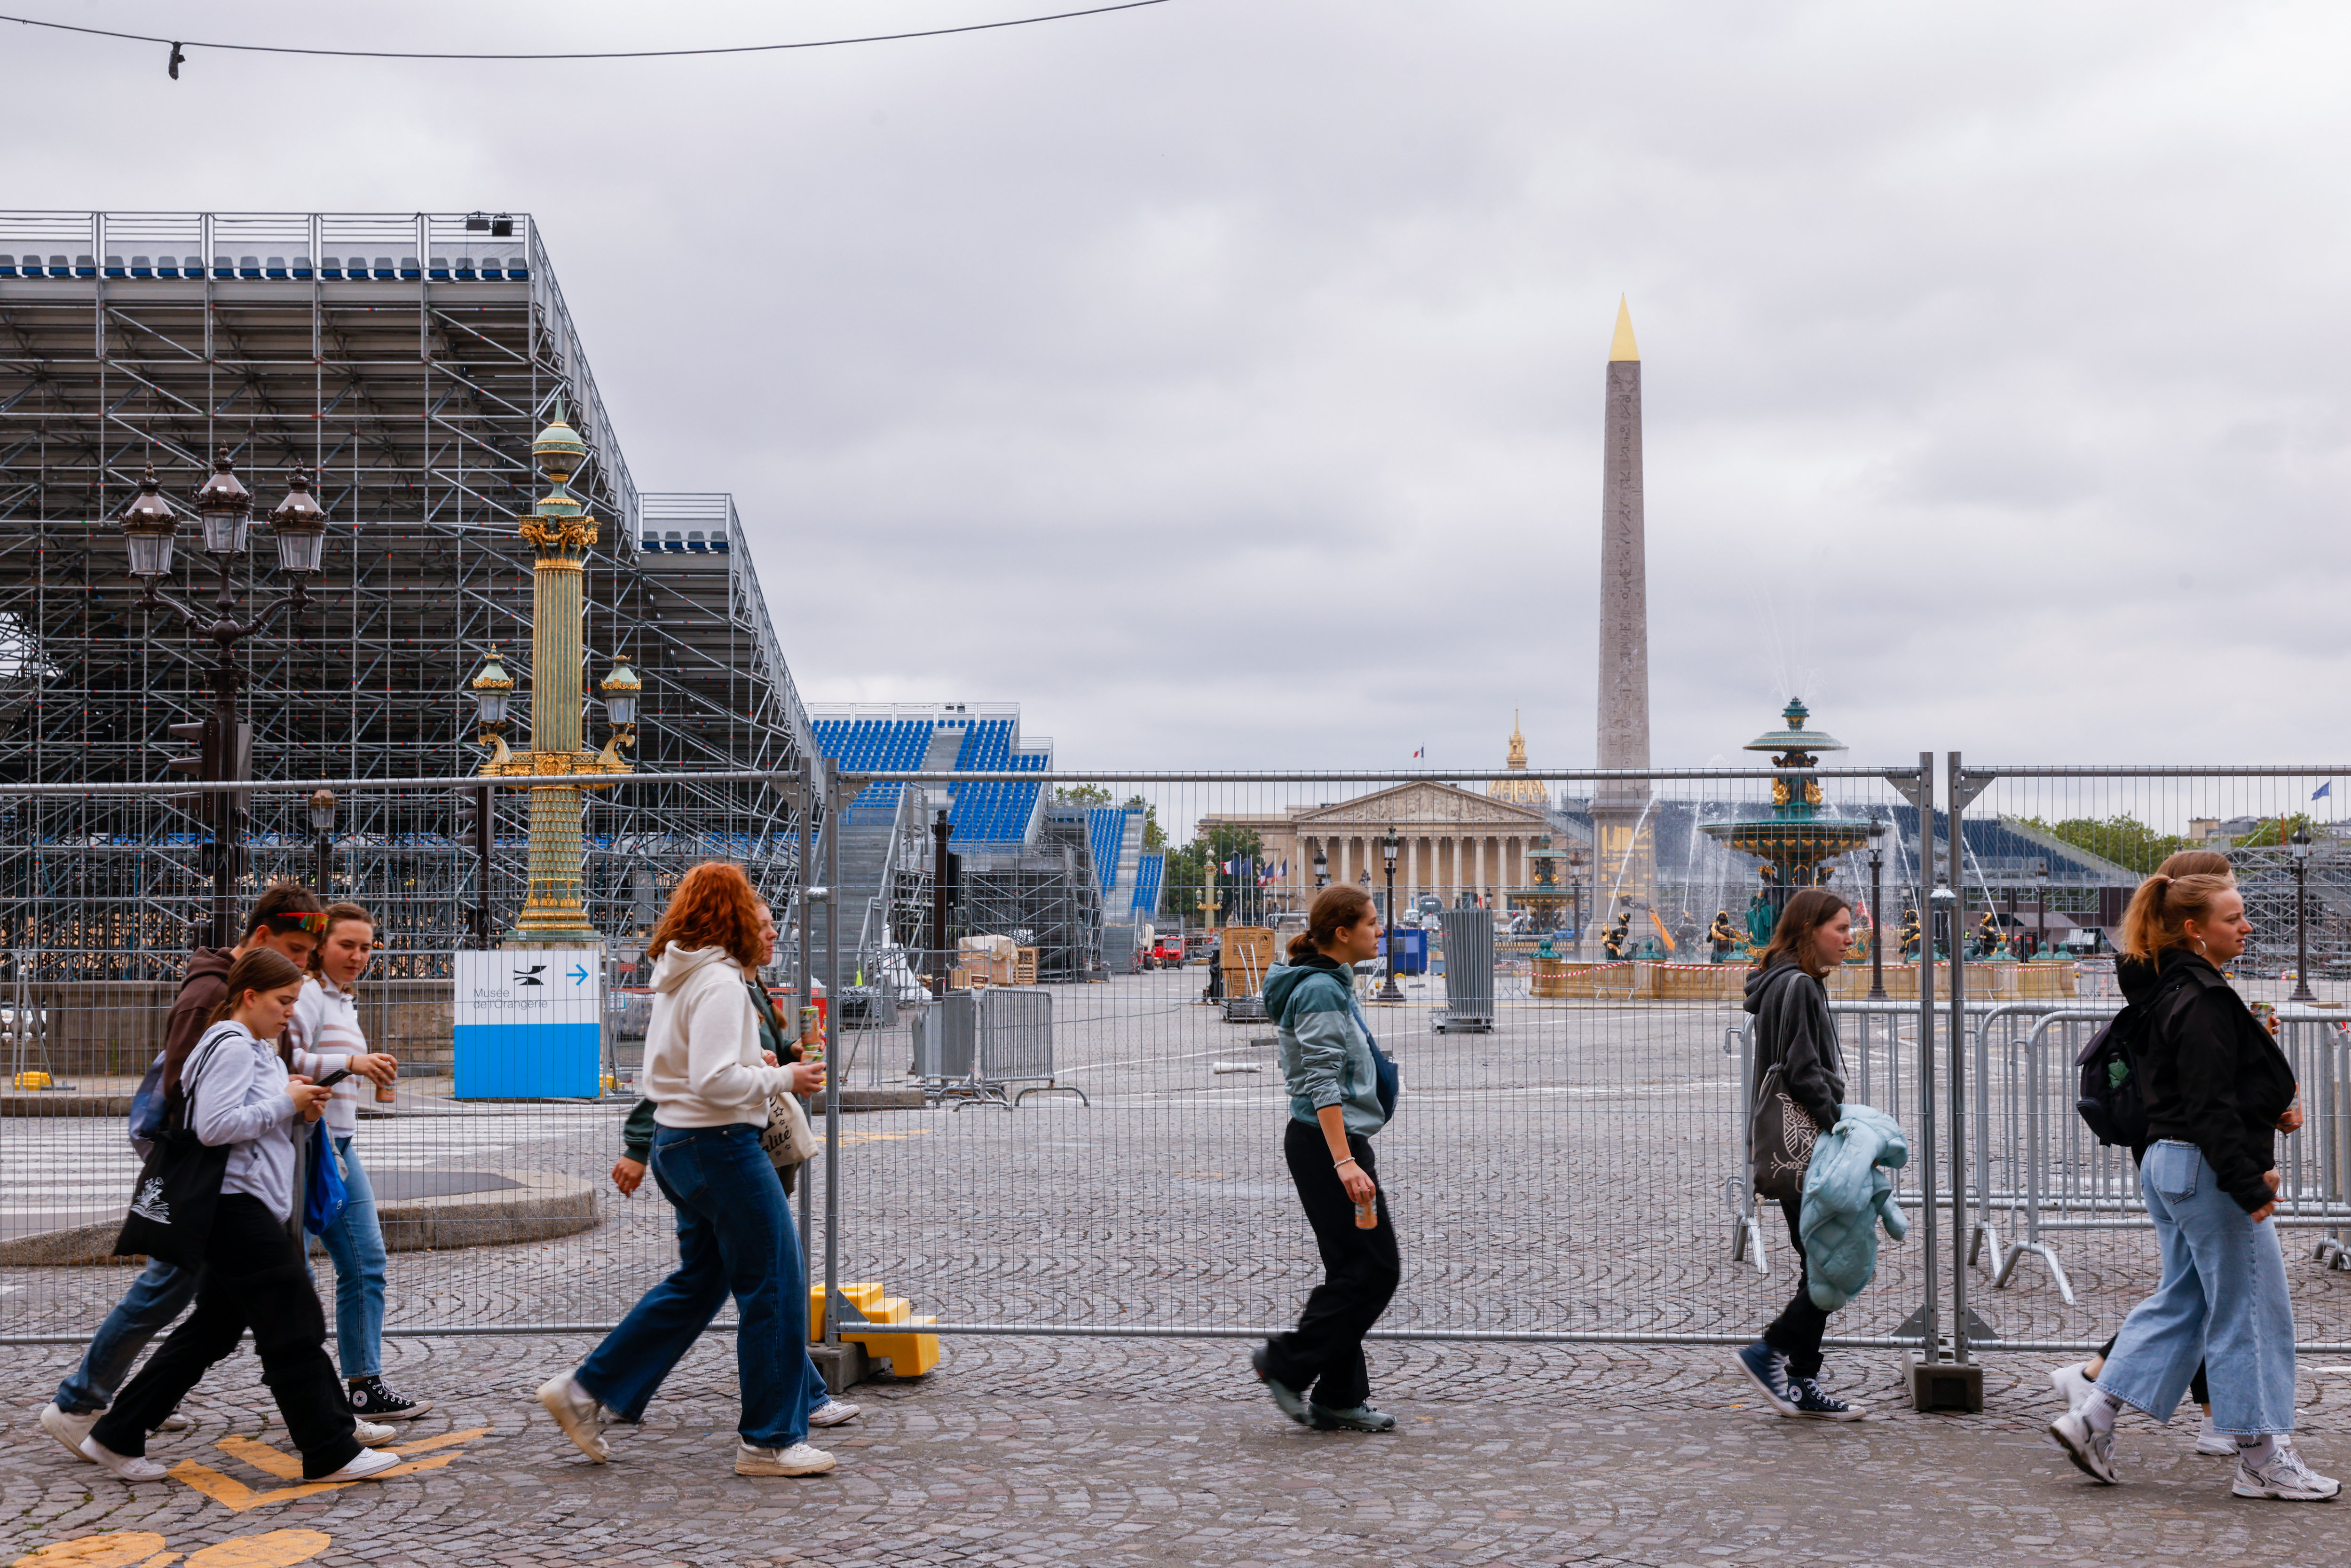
1223	380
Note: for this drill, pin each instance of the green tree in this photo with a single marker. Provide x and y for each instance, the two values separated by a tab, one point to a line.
1197	866
2267	836
2125	841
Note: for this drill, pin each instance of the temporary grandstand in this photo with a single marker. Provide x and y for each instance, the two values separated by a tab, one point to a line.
406	360
1026	867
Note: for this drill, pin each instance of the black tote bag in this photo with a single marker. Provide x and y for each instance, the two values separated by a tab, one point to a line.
179	1188
1780	1138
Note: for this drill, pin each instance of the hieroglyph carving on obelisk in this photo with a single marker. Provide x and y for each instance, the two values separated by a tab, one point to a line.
1625	865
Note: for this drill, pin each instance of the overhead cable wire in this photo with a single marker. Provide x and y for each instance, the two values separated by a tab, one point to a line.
178	45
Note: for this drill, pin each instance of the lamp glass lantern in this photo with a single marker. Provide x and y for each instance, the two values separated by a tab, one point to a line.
300	526
2298	845
225	509
1321	868
322	812
148	524
1388	847
622	688
492	691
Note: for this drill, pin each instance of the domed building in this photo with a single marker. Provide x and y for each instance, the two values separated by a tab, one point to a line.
1519	791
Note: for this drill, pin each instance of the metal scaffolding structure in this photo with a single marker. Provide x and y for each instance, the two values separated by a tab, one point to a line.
406	360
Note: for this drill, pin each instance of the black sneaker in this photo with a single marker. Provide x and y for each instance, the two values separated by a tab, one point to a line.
371	1400
1353	1418
1811	1399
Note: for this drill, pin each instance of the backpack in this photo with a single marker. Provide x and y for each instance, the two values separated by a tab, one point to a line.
147	1109
2111	1096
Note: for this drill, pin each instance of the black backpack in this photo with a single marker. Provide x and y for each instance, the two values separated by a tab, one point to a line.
2111	1097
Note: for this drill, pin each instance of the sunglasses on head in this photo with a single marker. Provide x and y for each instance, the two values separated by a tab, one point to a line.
315	924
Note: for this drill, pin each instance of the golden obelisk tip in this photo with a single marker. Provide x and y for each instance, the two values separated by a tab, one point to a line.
1624	348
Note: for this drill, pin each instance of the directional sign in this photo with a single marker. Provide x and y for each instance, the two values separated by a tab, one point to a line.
530	1023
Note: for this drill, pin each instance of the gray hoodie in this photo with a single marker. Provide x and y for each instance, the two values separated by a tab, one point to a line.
241	1100
1794	1029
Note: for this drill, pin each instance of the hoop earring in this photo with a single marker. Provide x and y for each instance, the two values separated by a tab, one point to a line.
2200	945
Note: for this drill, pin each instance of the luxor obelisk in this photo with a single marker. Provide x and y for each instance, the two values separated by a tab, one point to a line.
1623	864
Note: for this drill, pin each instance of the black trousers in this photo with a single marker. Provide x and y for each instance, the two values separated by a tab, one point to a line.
1323	1357
254	1277
1796	1331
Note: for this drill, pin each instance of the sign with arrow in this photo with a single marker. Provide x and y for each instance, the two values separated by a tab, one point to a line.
530	1024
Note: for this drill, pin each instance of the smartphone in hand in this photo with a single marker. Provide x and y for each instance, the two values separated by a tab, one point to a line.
337	1076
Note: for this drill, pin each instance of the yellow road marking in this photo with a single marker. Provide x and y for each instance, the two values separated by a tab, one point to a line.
849	1138
124	1547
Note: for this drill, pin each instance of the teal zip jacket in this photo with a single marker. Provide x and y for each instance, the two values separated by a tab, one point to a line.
1847	1196
1326	1052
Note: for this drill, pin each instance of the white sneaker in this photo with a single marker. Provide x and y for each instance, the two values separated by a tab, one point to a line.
2092	1451
2214	1443
2285	1478
582	1419
369	1464
2074	1384
373	1434
174	1422
833	1412
799	1460
69	1427
124	1465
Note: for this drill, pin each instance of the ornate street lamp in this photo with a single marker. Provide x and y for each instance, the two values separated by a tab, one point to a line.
1390	992
223	509
1876	910
2040	905
2298	846
561	530
323	824
1321	870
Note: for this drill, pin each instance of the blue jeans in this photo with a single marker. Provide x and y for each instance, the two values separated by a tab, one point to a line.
355	1241
2222	1300
733	1235
159	1294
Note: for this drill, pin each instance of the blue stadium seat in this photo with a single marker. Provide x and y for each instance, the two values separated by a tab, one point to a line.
85	267
59	267
302	267
274	266
248	267
674	542
694	542
384	268
437	269
411	269
7	264
466	269
224	267
115	267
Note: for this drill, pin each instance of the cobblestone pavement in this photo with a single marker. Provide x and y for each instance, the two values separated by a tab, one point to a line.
1108	1454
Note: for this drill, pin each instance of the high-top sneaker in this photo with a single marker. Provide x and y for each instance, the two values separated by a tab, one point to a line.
372	1401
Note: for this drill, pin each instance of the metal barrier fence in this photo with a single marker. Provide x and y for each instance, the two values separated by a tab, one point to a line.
1567	1162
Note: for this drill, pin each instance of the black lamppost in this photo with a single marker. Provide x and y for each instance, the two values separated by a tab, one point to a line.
1876	911
1575	865
2040	905
2298	846
1321	870
1389	992
225	510
322	824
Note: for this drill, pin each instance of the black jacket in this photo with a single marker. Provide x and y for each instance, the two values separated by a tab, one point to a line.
2214	1076
1795	1031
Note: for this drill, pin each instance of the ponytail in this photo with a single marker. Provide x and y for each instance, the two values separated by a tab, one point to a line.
2160	909
1335	910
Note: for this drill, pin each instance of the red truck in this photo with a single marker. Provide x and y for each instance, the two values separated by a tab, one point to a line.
1167	952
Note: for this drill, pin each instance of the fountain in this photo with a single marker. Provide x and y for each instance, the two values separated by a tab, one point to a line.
1796	840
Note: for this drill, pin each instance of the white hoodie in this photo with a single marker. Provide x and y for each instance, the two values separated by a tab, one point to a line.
702	1048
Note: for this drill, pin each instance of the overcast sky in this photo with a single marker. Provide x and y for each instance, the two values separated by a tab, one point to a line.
1222	381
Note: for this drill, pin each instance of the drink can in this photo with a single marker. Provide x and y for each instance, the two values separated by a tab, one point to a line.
384	1092
811	1035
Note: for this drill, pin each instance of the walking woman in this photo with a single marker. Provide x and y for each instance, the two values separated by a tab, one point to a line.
704	1072
2217	1088
237	1093
2138	982
1338	1101
1795	1033
327	1039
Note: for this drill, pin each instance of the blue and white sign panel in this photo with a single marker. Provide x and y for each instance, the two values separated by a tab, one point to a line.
530	1023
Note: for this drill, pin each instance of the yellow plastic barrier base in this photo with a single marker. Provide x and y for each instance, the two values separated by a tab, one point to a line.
909	1354
865	1297
32	1080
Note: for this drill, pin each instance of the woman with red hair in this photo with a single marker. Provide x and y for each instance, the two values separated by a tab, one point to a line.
710	1082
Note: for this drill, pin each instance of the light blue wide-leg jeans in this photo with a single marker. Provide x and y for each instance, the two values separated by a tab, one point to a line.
2222	1300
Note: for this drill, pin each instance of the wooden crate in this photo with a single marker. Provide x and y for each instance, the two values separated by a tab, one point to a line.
1024	967
1250	952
